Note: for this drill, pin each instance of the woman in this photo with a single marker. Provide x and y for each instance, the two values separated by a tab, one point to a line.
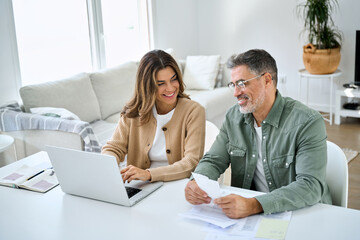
161	130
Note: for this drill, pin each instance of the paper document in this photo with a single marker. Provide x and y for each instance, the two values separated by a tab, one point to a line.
210	213
274	226
211	187
260	226
245	228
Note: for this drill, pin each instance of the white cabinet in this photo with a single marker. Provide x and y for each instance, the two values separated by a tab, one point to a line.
341	98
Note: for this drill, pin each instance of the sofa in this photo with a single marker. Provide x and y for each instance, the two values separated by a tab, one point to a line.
95	101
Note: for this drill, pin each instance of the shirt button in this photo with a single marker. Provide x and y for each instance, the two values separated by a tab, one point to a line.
287	164
264	137
253	155
231	153
264	121
164	129
248	175
168	151
269	183
264	160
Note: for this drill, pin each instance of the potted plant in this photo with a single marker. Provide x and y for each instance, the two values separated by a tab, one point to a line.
322	53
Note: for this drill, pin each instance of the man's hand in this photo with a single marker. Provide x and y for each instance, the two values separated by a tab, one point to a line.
235	206
195	195
134	173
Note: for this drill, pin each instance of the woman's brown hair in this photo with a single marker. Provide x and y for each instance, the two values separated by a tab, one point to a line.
143	100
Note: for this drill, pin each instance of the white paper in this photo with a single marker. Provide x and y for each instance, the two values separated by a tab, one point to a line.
210	213
211	187
245	228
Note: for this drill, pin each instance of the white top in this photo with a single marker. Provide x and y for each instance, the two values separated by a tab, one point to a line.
259	176
64	216
305	73
157	153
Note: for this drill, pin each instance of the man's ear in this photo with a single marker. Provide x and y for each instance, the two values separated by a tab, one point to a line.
268	78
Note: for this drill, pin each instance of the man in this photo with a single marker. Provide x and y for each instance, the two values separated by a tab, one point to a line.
274	144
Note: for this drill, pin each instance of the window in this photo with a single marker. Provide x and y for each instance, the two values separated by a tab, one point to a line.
52	39
122	33
60	38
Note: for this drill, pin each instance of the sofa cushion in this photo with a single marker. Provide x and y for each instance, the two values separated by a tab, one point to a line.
113	118
171	51
215	102
201	71
114	87
75	94
103	131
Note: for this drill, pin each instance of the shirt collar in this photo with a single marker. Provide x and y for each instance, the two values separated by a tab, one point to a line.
273	118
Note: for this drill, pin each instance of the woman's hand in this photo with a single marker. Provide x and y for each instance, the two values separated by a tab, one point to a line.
134	173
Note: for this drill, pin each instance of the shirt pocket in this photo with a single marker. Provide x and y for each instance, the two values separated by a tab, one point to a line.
238	161
283	170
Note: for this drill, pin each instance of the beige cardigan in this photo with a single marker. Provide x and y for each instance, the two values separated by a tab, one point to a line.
184	136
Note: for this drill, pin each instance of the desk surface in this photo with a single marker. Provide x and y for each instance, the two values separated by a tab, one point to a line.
55	215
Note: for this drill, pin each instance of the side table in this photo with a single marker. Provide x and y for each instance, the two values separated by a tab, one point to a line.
6	142
306	75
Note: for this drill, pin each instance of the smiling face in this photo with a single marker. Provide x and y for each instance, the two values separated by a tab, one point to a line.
167	91
252	97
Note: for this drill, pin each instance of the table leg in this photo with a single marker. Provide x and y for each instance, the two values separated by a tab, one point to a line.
307	91
337	108
331	94
16	158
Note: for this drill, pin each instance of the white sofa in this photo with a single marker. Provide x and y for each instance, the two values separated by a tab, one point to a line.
98	98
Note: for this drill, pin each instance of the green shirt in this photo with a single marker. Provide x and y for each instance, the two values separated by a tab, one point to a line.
293	153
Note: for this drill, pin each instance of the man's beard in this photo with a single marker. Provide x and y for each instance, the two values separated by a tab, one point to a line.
251	106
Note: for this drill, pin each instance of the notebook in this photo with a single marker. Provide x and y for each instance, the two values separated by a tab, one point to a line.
96	176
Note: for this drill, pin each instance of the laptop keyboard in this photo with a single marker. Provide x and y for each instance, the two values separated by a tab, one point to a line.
132	191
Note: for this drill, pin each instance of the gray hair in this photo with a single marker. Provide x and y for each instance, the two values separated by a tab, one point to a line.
257	60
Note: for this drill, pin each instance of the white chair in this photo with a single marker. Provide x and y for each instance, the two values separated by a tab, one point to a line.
337	175
210	135
211	132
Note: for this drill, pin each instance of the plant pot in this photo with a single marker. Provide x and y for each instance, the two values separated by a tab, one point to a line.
321	61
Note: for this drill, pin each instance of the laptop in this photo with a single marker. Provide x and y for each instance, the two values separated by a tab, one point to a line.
96	176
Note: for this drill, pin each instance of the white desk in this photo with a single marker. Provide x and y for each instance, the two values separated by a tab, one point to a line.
305	74
55	215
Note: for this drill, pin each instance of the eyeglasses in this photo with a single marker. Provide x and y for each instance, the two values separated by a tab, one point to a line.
242	83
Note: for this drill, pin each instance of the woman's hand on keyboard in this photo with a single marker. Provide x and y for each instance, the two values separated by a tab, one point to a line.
134	173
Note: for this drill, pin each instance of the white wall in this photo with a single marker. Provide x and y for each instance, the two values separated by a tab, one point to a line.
9	78
232	26
176	26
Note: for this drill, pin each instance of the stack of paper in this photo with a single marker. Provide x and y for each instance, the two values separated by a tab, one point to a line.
219	226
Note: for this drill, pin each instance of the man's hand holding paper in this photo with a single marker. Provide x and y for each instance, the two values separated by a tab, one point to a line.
203	190
210	187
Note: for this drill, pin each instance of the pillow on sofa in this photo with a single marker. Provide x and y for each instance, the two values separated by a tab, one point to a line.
201	72
171	51
74	94
58	112
114	87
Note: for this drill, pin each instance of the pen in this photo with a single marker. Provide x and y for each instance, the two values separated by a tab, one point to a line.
35	175
38	174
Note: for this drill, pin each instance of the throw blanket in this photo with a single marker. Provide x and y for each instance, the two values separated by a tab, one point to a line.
13	119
